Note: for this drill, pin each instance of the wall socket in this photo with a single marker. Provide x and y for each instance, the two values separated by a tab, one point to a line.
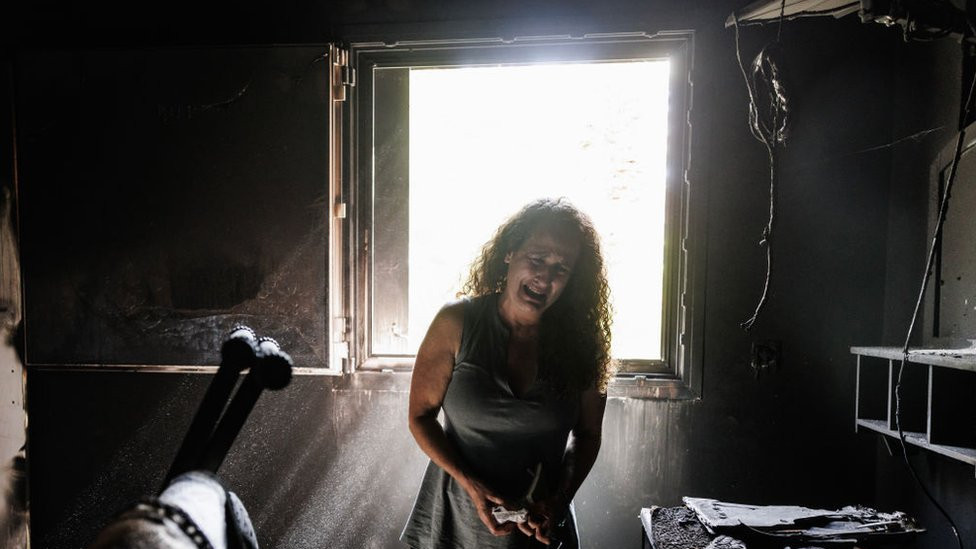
766	355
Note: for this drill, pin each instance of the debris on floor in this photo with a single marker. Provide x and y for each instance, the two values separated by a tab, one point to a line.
712	524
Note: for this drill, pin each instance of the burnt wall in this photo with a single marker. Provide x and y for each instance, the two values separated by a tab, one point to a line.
927	97
329	462
147	180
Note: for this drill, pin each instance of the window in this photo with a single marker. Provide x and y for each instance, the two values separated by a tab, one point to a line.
449	139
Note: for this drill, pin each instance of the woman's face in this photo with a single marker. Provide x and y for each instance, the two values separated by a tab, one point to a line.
540	269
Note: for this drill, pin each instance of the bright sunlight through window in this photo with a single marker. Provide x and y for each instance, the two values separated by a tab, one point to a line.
486	140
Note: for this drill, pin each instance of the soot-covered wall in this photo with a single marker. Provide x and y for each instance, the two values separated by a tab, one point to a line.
161	204
155	175
927	96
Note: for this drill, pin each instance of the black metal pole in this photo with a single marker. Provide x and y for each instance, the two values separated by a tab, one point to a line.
272	371
238	353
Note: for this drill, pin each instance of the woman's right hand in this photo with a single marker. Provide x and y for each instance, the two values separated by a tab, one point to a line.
484	499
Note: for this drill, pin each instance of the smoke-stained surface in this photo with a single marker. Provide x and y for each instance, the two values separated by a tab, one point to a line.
915	176
13	475
955	289
316	466
169	195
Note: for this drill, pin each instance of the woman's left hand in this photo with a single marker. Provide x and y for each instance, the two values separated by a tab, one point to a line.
542	517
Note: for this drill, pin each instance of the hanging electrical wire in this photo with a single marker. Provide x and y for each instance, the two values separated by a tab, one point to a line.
768	116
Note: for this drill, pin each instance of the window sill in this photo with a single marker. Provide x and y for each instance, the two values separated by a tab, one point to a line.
646	387
386	382
623	386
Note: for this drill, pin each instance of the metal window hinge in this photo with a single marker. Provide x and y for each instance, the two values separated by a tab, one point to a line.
339	357
340	330
343	76
348	76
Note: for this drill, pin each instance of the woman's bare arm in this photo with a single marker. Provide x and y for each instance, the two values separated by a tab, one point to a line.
431	375
584	444
581	454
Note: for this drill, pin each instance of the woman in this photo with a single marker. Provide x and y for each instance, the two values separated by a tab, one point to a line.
517	368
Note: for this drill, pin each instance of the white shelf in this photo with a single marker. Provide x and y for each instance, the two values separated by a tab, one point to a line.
960	359
937	400
918	439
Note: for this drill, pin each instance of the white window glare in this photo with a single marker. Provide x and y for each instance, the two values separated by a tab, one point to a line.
485	140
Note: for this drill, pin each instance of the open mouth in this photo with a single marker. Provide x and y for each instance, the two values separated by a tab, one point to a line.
538	298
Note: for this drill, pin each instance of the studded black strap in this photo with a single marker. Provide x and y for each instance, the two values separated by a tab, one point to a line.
160	512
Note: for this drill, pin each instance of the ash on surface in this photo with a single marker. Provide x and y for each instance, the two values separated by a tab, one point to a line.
677	528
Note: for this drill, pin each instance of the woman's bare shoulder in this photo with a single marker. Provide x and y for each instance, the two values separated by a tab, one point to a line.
452	313
446	328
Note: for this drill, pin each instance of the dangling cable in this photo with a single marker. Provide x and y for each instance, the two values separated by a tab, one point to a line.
765	71
943	208
779	25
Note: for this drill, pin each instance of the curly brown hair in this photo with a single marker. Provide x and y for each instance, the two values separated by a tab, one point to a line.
575	330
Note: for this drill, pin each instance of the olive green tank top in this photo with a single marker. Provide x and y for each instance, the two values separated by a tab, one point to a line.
501	437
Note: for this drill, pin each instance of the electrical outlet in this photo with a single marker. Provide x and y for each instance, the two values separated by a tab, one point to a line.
766	355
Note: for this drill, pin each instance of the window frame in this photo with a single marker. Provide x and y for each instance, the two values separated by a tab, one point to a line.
678	374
